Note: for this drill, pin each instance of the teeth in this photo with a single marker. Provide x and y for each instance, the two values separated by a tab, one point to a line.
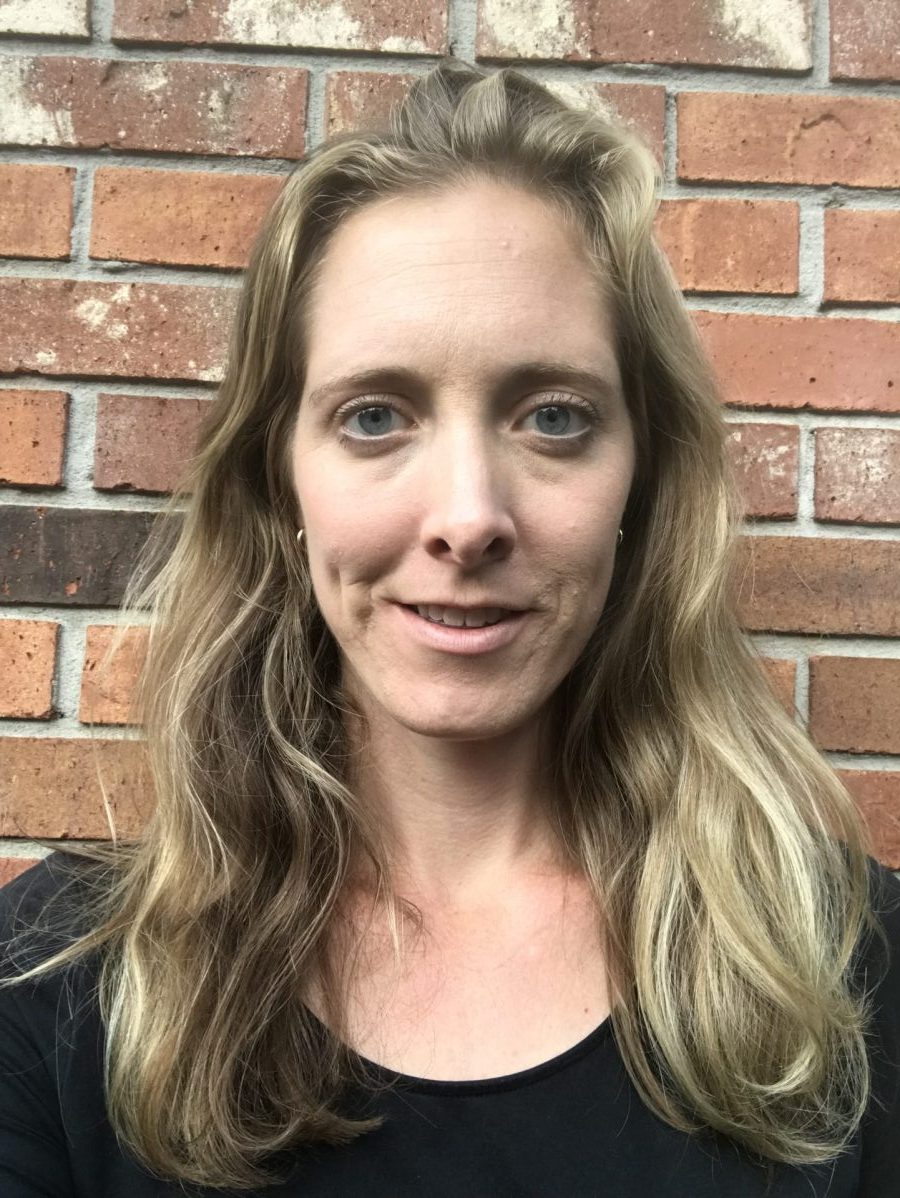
455	617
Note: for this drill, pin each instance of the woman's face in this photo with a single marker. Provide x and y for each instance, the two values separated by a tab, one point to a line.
471	463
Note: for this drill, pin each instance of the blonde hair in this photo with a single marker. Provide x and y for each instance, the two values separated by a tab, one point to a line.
687	795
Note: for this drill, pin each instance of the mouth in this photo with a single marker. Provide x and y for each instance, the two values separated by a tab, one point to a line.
461	617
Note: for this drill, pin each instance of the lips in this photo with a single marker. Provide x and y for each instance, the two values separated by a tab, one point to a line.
459	639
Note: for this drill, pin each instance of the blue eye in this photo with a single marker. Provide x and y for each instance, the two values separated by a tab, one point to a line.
555	420
374	420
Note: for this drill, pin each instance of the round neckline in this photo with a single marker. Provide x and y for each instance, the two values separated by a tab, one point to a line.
510	1081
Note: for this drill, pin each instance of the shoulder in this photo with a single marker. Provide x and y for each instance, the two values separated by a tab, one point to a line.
41	910
879	954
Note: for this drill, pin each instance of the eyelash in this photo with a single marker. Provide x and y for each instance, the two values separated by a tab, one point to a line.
588	411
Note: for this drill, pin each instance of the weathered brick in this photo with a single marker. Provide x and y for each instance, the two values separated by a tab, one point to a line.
858	475
144	442
68	556
641	107
825	363
11	867
49	787
27	663
782	674
187	218
862	255
418	27
32	437
696	32
176	105
35	210
363	99
46	18
853	704
126	330
877	795
774	138
816	585
741	246
764	460
108	686
865	39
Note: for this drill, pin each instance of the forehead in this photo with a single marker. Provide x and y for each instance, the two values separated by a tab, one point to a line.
478	269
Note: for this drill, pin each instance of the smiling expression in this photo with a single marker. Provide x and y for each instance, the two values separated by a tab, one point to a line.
478	452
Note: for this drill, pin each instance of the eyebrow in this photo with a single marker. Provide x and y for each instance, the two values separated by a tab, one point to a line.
525	374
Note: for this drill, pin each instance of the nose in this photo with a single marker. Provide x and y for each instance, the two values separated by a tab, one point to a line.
468	519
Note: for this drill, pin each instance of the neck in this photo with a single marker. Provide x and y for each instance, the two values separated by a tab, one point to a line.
458	819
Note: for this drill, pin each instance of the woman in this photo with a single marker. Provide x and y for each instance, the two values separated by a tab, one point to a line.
484	860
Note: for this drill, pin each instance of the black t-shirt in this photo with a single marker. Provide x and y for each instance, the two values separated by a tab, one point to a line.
572	1127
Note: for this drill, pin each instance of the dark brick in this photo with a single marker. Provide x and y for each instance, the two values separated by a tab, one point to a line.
68	556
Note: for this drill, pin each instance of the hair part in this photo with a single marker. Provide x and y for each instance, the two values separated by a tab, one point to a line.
687	795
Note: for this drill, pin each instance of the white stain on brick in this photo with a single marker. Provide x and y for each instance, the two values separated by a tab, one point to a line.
287	23
23	121
53	17
404	45
581	95
45	357
92	312
542	29
772	456
154	77
780	26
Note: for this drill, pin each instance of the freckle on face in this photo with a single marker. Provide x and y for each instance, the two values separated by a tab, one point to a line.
464	498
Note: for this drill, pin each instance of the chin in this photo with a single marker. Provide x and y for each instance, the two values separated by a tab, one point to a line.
460	722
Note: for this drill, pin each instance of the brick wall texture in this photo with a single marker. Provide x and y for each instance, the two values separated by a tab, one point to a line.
141	142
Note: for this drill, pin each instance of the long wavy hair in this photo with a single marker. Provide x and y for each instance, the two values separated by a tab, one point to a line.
686	793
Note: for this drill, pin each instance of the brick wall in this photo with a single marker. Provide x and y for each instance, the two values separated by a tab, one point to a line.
144	140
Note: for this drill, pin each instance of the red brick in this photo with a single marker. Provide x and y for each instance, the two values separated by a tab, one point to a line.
862	255
865	39
877	795
363	99
144	442
825	363
126	330
764	459
47	18
853	704
697	32
27	664
782	674
175	105
11	867
187	218
742	246
32	437
49	787
416	27
767	138
818	585
858	475
35	211
108	686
